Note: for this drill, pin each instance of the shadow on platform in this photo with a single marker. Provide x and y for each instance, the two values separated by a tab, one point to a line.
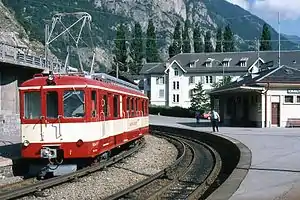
10	150
194	124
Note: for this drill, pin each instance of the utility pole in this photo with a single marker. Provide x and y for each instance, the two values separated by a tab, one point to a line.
46	44
117	71
279	39
258	49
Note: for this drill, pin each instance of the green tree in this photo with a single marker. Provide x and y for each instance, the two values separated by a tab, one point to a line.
120	46
200	100
265	40
137	48
225	81
151	45
175	47
219	40
228	40
186	47
198	44
208	47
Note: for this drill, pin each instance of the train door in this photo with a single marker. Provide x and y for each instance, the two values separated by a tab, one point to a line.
103	112
53	107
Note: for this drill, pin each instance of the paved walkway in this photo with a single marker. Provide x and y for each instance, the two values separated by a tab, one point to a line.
275	167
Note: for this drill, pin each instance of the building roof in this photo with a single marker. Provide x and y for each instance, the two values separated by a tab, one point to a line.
290	58
274	74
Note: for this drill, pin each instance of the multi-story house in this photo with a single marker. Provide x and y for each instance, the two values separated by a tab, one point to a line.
170	83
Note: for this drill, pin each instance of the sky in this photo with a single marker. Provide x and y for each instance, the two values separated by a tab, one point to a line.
268	11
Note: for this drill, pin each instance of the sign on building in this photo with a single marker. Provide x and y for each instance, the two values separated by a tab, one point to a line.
293	91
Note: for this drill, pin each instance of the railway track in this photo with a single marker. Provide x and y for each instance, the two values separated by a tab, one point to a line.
190	176
31	185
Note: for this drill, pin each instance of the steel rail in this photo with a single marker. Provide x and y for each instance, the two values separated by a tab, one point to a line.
153	177
28	189
198	188
202	186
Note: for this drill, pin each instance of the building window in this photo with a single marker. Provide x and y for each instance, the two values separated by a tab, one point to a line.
175	98
243	63
175	83
191	93
161	93
160	80
289	99
225	63
298	99
176	73
208	79
192	79
208	64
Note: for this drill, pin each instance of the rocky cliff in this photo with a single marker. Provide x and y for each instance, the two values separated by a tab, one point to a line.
108	13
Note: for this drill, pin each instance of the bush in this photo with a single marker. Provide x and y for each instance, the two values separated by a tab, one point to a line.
172	111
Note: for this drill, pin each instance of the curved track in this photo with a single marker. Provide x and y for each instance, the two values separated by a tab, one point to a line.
196	168
32	185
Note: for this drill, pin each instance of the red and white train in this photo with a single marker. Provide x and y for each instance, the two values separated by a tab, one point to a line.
74	117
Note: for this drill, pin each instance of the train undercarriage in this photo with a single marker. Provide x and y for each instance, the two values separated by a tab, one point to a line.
55	165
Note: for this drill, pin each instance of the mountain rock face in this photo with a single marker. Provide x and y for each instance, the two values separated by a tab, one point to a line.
107	14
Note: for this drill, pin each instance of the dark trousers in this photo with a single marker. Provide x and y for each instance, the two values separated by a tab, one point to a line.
214	123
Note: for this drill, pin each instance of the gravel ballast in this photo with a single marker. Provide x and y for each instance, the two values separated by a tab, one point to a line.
156	155
7	176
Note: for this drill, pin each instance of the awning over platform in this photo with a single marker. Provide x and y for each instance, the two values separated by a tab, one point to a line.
237	89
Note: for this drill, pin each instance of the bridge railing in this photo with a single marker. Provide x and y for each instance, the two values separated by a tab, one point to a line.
16	55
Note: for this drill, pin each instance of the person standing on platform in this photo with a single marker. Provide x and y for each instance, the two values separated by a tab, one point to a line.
197	117
215	119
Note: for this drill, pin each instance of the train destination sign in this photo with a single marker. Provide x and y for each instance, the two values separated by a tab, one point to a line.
293	91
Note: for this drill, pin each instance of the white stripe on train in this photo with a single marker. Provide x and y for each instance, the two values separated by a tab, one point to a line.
88	132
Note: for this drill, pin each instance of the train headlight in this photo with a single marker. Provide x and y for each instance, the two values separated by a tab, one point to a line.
79	143
26	143
50	79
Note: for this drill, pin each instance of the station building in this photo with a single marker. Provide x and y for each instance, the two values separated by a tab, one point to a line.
267	97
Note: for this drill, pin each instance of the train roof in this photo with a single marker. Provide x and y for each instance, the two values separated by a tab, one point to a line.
107	82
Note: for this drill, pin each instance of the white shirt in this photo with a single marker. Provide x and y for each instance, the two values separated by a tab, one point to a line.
215	115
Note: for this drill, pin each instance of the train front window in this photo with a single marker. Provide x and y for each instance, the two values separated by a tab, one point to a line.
52	104
32	105
74	103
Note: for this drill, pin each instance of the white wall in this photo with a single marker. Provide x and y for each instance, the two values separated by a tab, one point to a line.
155	88
287	110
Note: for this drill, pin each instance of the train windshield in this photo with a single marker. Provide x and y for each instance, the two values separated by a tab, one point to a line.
32	105
73	103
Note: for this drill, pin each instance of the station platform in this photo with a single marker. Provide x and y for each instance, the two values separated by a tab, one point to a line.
274	173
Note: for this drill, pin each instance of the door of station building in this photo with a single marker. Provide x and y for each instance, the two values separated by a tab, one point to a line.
275	114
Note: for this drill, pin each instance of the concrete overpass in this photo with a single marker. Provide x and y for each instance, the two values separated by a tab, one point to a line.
16	66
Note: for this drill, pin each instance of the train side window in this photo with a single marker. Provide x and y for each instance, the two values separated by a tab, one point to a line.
116	105
52	104
94	103
32	105
143	107
104	104
74	103
132	107
136	104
